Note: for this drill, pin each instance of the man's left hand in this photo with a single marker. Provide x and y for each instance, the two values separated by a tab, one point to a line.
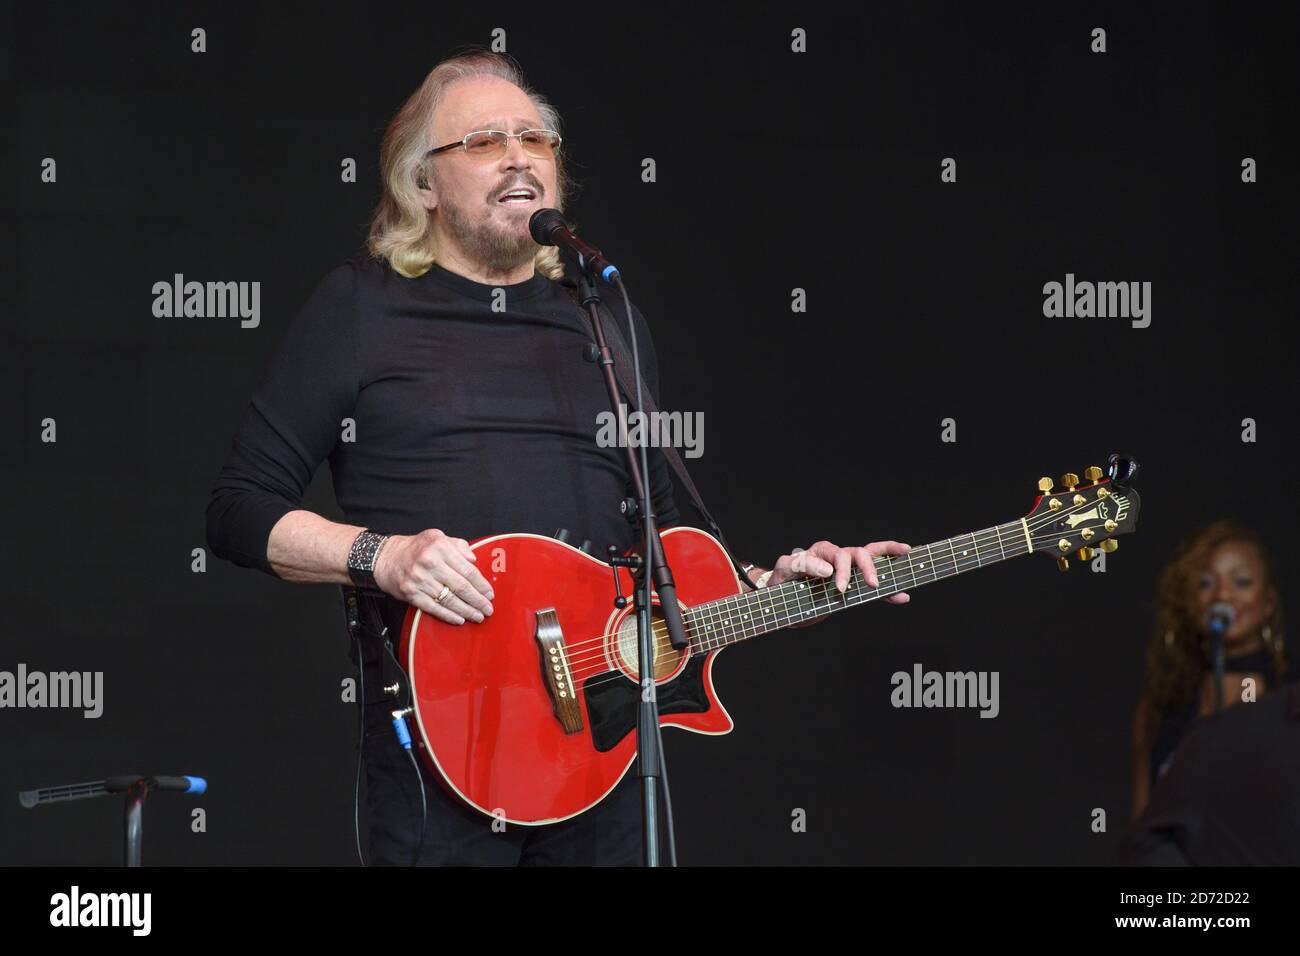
824	559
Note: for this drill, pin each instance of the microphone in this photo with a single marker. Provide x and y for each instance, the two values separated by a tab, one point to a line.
548	228
1220	618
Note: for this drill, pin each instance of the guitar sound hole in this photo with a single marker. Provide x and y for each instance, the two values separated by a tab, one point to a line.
624	649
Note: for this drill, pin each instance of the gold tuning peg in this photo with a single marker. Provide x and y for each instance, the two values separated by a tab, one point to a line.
1109	545
1069	480
1093	473
1085	554
1045	485
1063	563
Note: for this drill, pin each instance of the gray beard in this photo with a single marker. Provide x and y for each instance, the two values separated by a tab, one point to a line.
496	251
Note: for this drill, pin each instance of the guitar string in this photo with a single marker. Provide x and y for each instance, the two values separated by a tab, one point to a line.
820	589
804	612
979	539
785	596
584	660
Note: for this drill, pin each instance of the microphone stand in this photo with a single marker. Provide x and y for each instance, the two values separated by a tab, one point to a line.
653	567
136	789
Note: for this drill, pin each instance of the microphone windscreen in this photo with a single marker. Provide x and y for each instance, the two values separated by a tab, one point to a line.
542	223
1221	615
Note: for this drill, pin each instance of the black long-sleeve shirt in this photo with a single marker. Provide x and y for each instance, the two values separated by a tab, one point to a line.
434	411
1232	794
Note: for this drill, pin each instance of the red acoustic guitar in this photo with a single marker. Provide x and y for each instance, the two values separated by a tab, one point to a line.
530	716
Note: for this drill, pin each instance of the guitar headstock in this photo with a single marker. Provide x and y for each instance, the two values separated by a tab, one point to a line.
1078	519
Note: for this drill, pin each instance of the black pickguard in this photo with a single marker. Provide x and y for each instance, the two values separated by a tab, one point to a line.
613	697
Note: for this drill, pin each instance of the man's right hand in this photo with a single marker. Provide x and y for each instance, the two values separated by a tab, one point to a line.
416	569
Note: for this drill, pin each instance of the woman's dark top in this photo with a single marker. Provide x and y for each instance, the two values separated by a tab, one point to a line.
1175	723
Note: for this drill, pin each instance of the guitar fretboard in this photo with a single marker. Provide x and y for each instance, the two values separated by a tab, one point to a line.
742	616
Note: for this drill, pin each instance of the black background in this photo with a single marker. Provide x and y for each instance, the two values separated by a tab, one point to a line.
775	171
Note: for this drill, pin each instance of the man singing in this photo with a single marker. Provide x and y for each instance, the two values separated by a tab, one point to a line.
443	376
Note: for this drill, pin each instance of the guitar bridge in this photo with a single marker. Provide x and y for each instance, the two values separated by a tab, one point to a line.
556	675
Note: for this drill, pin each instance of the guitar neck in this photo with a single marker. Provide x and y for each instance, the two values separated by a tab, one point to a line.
729	620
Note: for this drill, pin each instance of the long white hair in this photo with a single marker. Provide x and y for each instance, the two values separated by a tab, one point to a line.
401	229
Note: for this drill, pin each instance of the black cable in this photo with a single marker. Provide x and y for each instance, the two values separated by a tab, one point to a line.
424	807
410	752
668	801
354	632
361	747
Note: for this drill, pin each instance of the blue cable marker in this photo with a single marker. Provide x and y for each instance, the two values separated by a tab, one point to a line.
400	729
197	784
610	274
